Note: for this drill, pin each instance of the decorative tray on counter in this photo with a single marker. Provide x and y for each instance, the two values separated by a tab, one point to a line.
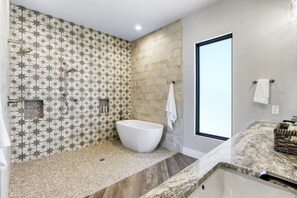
285	138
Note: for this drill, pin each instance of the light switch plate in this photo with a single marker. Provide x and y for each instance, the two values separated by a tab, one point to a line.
275	109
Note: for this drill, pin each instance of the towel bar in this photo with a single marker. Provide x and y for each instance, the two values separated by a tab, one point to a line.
271	81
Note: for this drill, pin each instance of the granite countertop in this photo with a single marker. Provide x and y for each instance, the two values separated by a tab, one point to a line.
249	151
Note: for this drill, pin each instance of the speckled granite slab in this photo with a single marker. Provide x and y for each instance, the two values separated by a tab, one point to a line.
250	151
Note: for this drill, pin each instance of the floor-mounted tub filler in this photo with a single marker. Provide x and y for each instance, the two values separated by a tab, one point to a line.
139	135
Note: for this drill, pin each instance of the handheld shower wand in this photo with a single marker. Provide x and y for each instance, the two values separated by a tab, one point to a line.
65	93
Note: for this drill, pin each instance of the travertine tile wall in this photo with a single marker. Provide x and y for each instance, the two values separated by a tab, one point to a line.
156	60
103	65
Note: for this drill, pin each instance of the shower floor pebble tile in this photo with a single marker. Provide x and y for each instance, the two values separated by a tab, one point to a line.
79	173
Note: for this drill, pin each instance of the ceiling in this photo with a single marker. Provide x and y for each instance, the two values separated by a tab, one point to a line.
117	17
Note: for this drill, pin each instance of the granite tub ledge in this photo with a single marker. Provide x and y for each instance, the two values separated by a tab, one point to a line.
250	150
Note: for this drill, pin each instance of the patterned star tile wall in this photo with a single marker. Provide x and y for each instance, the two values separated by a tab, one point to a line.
42	50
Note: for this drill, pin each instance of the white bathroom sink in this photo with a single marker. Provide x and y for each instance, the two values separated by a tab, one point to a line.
225	183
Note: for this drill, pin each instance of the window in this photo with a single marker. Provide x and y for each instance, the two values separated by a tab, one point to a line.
214	88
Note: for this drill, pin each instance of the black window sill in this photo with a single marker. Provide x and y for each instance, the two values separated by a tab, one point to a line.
212	136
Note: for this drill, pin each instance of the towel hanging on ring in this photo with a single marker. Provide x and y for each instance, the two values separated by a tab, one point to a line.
171	108
4	137
4	140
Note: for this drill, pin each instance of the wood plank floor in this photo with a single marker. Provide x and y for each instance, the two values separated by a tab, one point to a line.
144	181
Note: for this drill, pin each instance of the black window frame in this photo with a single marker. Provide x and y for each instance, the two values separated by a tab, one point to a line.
198	45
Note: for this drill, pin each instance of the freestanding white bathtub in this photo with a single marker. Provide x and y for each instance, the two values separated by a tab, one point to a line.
139	135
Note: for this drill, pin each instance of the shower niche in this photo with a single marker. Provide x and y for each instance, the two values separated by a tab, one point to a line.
103	106
33	109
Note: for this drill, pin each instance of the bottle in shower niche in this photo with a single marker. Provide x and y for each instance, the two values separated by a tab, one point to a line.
103	106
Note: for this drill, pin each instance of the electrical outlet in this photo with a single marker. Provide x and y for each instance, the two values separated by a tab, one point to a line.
275	109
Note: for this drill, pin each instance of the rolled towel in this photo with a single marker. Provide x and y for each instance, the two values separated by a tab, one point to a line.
293	139
292	128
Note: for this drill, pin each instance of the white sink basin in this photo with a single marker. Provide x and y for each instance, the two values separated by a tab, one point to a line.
225	183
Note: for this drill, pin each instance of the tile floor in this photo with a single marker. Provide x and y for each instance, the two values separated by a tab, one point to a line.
80	173
142	182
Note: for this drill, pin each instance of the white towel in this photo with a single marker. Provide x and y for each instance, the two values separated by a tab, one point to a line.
3	162
262	91
4	138
171	108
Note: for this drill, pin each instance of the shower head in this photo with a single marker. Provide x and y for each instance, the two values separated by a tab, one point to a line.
24	51
71	70
66	71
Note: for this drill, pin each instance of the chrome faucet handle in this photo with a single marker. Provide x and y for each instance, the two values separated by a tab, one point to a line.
269	176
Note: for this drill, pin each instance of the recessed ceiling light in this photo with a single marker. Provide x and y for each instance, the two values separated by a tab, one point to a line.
138	27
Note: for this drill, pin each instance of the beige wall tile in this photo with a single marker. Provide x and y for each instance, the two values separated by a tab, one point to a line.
156	60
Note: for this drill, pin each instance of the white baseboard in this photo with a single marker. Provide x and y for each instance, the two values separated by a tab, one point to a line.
192	153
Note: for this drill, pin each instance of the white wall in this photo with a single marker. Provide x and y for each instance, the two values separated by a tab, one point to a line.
265	46
4	75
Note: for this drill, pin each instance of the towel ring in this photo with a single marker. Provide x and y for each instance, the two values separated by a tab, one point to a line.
271	81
